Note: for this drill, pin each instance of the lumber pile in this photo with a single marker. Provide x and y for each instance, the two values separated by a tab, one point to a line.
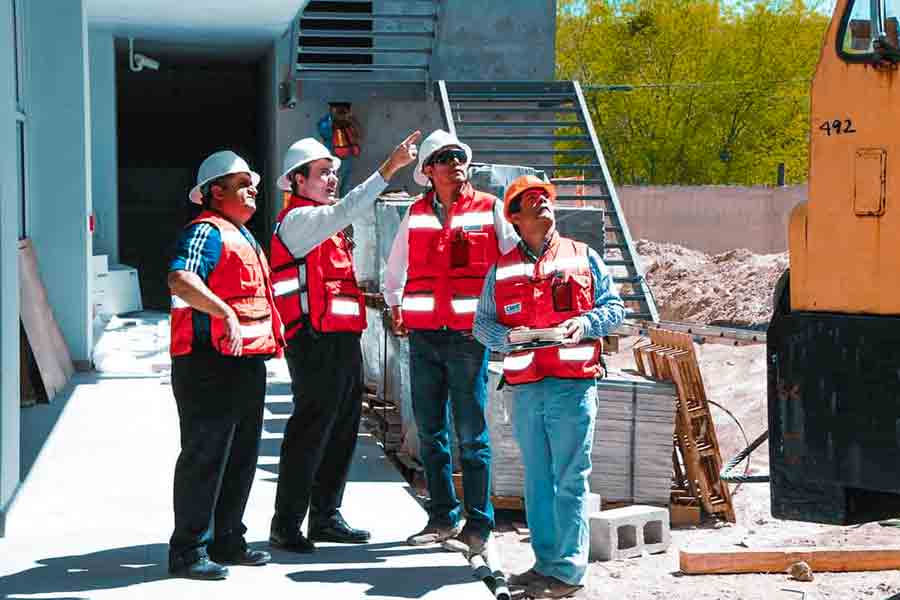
632	452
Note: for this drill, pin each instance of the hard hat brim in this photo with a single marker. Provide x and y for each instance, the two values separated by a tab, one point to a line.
196	193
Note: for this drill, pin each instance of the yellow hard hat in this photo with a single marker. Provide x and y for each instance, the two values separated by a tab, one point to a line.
522	184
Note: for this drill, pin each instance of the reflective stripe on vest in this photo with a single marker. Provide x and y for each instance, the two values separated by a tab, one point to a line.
418	303
424	222
472	219
347	307
256	329
464	305
577	353
518	362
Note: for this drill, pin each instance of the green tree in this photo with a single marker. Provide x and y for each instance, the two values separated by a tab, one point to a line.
716	93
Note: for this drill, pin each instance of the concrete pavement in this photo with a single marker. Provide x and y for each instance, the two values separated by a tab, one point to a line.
93	516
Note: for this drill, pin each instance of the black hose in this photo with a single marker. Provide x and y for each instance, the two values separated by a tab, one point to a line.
726	475
743	433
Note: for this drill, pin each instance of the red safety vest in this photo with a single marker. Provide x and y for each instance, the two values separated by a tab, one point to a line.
241	279
447	263
320	285
544	294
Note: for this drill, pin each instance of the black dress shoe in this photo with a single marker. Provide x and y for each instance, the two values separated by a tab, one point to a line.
202	568
292	541
335	529
245	557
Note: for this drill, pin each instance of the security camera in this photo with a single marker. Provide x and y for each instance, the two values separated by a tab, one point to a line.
286	95
139	62
145	62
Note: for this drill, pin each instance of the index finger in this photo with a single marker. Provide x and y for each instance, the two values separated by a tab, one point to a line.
413	137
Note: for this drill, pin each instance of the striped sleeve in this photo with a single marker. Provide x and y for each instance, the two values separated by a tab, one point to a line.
609	310
486	329
197	250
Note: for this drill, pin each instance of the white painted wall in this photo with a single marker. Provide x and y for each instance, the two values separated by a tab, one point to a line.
104	162
58	92
9	273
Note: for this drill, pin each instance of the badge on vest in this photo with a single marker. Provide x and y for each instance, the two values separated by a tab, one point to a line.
512	309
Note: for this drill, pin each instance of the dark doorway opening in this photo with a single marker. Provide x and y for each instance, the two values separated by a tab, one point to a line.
169	121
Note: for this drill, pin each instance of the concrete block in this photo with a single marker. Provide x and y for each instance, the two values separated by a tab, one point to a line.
629	532
594	503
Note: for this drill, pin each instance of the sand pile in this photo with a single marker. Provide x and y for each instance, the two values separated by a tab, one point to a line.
731	288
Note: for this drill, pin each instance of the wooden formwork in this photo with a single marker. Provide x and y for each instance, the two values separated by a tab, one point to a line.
696	459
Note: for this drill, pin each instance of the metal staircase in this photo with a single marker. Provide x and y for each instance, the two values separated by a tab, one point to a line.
547	126
357	43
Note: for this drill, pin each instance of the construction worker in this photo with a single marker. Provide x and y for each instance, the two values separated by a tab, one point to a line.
224	326
324	314
550	281
445	244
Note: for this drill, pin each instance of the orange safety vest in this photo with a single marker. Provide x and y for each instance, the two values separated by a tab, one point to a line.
321	285
544	294
241	279
447	263
344	142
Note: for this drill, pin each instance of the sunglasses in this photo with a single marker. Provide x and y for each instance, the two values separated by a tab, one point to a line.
446	156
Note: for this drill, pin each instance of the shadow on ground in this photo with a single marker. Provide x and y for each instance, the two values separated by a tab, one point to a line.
102	570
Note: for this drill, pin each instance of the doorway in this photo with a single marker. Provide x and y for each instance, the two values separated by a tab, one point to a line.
169	120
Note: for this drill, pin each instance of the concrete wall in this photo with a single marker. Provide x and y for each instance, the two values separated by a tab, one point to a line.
104	161
477	40
712	218
9	273
58	93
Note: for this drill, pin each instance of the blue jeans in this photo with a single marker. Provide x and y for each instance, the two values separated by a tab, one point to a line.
446	365
553	421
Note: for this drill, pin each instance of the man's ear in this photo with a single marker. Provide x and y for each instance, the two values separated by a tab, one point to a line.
216	191
427	170
515	218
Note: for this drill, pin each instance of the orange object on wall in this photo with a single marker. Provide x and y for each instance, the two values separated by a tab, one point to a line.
845	241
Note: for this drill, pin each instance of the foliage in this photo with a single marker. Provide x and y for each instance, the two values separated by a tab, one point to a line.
719	92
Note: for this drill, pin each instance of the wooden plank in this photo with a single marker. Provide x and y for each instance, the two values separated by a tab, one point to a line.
682	515
50	350
778	560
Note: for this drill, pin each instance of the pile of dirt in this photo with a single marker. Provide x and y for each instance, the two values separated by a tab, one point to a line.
732	288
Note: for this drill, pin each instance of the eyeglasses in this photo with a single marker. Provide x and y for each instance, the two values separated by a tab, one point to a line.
446	156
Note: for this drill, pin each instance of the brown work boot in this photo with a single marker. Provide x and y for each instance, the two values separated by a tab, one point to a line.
523	580
551	587
433	534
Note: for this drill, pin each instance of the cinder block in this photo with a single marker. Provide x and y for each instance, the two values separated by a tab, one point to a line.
628	532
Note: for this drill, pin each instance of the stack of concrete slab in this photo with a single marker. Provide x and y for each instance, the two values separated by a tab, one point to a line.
632	453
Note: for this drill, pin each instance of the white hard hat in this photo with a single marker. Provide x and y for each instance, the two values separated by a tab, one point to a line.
302	152
219	164
436	141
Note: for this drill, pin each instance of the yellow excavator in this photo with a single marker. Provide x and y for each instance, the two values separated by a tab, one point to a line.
833	345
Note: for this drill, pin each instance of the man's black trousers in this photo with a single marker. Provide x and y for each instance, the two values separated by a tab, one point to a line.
220	408
318	445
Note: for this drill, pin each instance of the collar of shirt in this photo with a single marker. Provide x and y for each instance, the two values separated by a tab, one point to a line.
466	191
529	253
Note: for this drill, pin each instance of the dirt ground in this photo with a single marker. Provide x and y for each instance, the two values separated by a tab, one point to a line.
736	288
